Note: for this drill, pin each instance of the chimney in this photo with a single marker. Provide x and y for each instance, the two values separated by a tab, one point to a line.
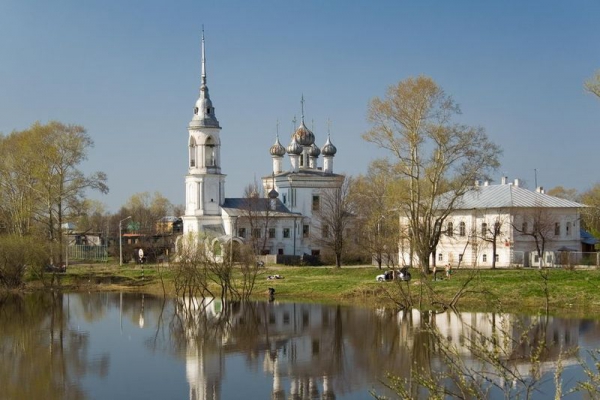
517	182
504	180
486	183
540	189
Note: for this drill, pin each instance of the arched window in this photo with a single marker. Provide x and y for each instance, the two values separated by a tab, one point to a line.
192	152
209	155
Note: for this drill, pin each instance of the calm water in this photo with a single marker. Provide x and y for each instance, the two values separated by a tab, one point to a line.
134	346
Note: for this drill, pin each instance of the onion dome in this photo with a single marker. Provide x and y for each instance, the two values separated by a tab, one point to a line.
273	194
314	151
328	149
303	135
277	149
294	147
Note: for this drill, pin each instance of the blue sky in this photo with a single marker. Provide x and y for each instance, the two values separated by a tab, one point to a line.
129	72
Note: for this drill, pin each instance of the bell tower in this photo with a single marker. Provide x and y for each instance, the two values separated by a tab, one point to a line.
204	182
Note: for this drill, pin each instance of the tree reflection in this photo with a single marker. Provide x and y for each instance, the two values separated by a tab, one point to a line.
42	357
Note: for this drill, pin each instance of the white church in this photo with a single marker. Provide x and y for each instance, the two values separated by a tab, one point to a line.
284	221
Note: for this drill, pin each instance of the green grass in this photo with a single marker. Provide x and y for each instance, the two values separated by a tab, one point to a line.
573	291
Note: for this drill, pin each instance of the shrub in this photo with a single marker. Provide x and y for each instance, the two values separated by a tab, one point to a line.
16	255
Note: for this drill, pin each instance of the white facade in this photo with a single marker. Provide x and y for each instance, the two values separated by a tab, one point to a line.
469	232
286	219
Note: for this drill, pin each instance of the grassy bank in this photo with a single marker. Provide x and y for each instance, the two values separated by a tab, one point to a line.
571	291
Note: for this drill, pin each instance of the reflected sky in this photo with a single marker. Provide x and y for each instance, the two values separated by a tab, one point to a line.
136	346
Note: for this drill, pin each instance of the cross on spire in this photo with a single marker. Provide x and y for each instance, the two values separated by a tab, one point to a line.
302	105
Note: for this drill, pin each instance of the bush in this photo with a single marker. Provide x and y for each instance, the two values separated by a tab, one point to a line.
16	255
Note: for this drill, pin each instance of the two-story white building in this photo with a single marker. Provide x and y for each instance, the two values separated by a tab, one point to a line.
508	223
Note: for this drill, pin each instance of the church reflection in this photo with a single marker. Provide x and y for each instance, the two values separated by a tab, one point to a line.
311	351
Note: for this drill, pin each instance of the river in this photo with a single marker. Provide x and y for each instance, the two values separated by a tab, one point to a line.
136	346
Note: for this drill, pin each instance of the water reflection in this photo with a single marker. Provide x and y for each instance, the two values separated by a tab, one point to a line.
105	345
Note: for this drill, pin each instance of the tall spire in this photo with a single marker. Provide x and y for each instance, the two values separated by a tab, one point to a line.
302	105
204	112
203	60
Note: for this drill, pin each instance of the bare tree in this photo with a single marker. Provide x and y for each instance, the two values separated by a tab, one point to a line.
591	214
436	159
564	193
592	85
257	212
491	232
202	265
334	217
539	224
372	197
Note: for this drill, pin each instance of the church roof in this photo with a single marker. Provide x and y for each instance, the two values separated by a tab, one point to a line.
510	196
587	237
236	207
305	172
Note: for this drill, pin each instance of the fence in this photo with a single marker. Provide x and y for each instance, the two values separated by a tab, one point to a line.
577	259
88	253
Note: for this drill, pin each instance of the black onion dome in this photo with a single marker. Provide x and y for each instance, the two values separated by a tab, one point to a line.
328	149
294	147
314	151
273	194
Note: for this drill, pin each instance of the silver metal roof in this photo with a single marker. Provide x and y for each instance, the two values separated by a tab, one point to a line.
510	196
236	207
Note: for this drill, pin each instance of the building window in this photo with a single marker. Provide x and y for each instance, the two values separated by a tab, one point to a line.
440	257
524	227
256	233
271	233
484	258
242	232
460	258
557	229
325	231
568	229
484	229
286	233
280	251
315	203
450	229
461	229
305	231
284	198
497	256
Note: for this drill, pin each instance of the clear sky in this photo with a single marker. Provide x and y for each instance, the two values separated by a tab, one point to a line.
129	72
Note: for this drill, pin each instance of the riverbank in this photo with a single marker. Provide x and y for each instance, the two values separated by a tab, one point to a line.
575	292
